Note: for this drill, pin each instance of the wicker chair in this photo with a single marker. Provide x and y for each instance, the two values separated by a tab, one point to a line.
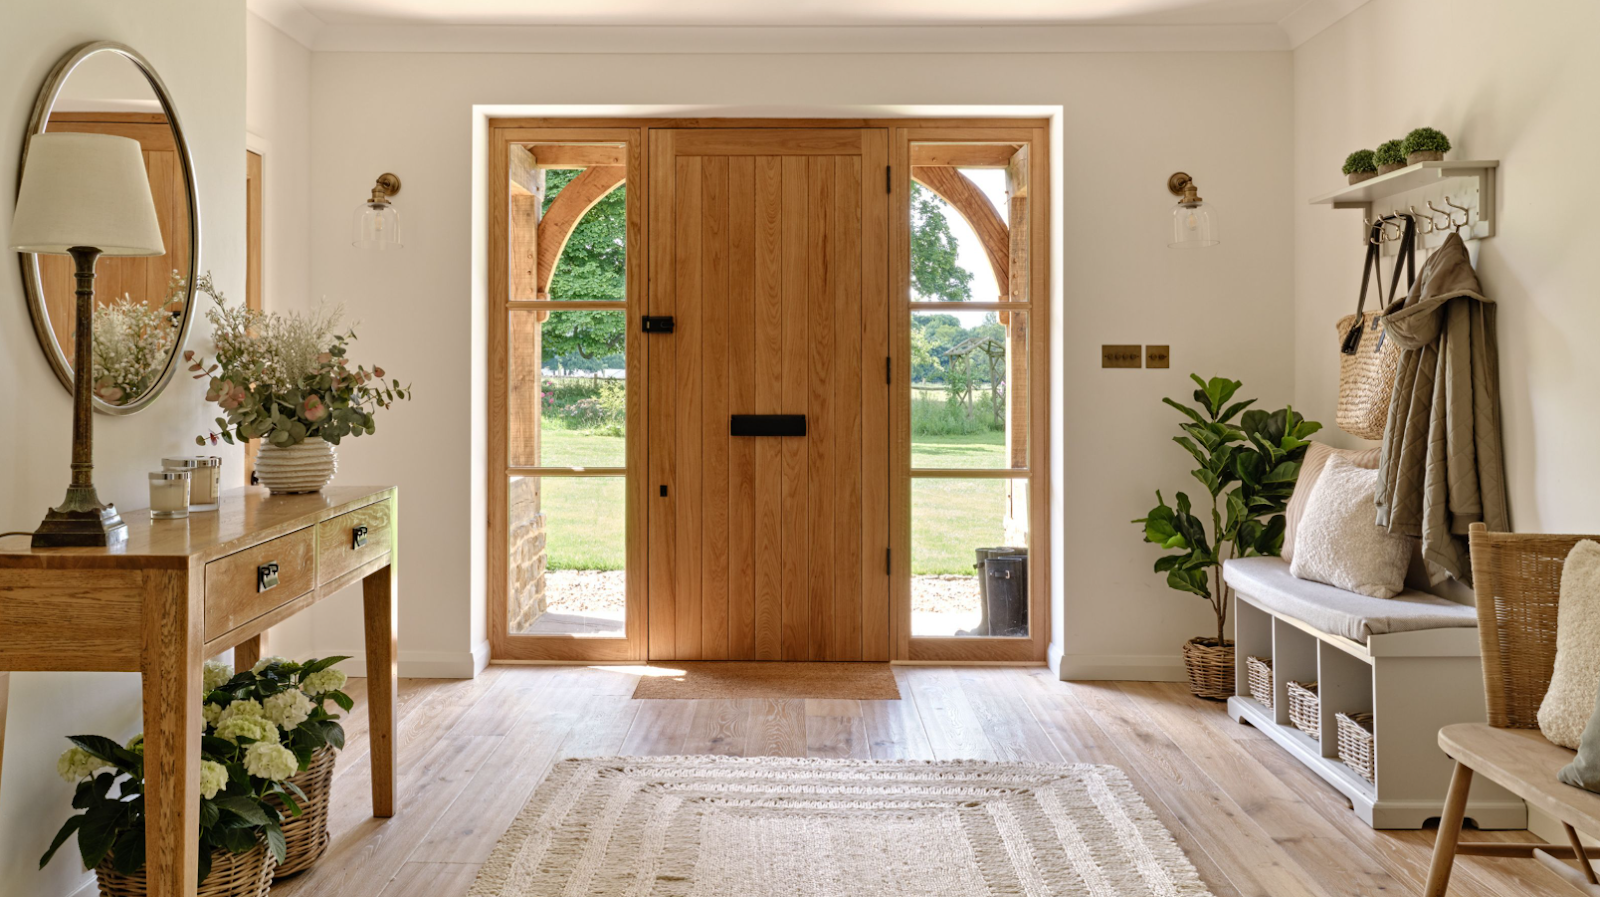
1517	581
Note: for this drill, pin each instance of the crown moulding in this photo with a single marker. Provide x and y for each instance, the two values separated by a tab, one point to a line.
1299	26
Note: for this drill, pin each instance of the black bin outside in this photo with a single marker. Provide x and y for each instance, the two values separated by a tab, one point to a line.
1007	585
983	555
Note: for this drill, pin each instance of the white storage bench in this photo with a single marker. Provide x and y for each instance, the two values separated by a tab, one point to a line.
1411	661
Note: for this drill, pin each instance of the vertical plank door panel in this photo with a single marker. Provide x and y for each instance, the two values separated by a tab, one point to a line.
714	411
796	390
663	616
846	317
769	400
819	442
687	367
741	400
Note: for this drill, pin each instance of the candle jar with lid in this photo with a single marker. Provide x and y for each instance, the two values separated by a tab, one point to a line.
169	494
205	478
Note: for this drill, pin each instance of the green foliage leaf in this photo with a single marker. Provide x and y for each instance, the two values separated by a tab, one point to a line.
67	828
246	808
101	823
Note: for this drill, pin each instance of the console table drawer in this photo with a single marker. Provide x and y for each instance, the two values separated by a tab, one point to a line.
337	551
234	591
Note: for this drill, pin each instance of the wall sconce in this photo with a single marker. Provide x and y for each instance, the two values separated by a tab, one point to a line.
1194	223
377	224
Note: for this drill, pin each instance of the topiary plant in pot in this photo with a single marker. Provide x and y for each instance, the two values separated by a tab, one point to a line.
1390	156
1425	145
1248	470
1360	166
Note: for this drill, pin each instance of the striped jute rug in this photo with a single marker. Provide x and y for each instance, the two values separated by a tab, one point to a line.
783	827
733	680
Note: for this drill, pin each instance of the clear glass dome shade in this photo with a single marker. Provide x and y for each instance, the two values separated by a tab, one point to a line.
377	226
1194	225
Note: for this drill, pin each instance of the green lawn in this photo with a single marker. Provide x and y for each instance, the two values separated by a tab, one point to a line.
949	518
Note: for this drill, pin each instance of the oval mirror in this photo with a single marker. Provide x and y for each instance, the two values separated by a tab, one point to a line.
143	306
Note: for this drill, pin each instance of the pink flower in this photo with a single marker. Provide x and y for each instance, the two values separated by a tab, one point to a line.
325	358
218	389
312	408
234	398
377	371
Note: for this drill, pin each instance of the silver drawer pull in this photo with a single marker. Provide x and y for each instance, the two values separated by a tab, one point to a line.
267	576
358	537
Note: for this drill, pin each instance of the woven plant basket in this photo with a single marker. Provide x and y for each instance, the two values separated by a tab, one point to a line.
1305	708
1260	680
306	835
1210	668
1355	743
1366	379
232	875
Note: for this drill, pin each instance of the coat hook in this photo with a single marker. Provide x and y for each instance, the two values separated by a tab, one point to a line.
1466	216
1424	222
1449	221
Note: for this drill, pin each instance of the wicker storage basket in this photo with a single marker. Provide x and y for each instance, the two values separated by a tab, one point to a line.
1305	710
1210	667
1260	680
306	835
232	875
1355	742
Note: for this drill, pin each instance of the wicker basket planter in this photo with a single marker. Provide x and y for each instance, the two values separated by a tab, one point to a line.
1210	667
1355	743
1260	680
232	875
306	835
1305	708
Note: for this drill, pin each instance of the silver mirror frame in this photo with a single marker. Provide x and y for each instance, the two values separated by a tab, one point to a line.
32	286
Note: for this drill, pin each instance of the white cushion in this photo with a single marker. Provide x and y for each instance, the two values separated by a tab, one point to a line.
1574	682
1311	466
1340	542
1266	583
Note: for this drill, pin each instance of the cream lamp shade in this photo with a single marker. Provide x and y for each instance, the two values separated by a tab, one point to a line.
87	190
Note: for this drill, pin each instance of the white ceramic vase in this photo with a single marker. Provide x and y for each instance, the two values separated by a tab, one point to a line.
305	467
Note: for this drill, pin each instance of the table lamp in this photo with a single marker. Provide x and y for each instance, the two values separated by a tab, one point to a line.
84	195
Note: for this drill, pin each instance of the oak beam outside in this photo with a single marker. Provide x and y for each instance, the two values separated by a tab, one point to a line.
171	644
568	208
960	192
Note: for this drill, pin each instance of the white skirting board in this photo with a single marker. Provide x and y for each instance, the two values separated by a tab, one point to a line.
1126	667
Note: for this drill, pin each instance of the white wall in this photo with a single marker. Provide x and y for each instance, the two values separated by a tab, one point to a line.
1504	83
1129	121
195	44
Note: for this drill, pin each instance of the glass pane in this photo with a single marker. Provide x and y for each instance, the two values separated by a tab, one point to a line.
969	222
579	191
969	557
567	553
568	390
969	390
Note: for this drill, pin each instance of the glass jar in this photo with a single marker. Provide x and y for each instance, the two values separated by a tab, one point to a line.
205	478
169	494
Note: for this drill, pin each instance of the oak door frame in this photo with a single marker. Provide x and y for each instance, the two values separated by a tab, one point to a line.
1032	649
1033	131
503	644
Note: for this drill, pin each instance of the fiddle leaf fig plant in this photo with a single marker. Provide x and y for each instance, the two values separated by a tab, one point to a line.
1248	470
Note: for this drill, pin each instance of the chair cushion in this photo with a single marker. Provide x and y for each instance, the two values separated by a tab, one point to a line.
1570	700
1268	585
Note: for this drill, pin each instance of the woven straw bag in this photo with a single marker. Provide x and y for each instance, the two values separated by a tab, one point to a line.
1368	362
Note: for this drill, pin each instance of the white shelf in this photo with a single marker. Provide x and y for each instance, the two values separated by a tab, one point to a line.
1411	177
1469	183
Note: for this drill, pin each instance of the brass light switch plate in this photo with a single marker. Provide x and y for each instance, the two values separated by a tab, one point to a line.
1120	356
1156	357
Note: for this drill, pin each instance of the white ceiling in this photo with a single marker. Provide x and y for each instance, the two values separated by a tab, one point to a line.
802	25
799	12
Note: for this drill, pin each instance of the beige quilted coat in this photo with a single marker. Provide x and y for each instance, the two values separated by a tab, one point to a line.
1441	469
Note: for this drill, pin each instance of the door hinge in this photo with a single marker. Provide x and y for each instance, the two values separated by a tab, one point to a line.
657	324
888	369
888	178
888	562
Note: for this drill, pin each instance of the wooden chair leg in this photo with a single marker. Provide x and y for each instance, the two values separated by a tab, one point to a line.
1580	854
1444	848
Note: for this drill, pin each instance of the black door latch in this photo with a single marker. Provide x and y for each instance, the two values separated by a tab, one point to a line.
266	576
358	537
657	324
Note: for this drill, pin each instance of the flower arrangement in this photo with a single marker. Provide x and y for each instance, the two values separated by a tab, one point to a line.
133	340
1425	140
285	377
261	727
1359	162
1390	154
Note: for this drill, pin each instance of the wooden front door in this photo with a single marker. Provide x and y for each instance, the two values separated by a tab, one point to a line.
769	248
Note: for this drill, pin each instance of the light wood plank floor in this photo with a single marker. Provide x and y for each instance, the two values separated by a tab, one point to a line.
1249	817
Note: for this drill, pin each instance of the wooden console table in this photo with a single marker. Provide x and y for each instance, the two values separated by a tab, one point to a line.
181	591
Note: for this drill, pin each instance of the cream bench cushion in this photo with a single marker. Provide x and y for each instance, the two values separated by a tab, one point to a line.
1266	582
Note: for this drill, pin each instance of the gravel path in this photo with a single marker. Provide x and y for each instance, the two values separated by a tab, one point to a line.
601	592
